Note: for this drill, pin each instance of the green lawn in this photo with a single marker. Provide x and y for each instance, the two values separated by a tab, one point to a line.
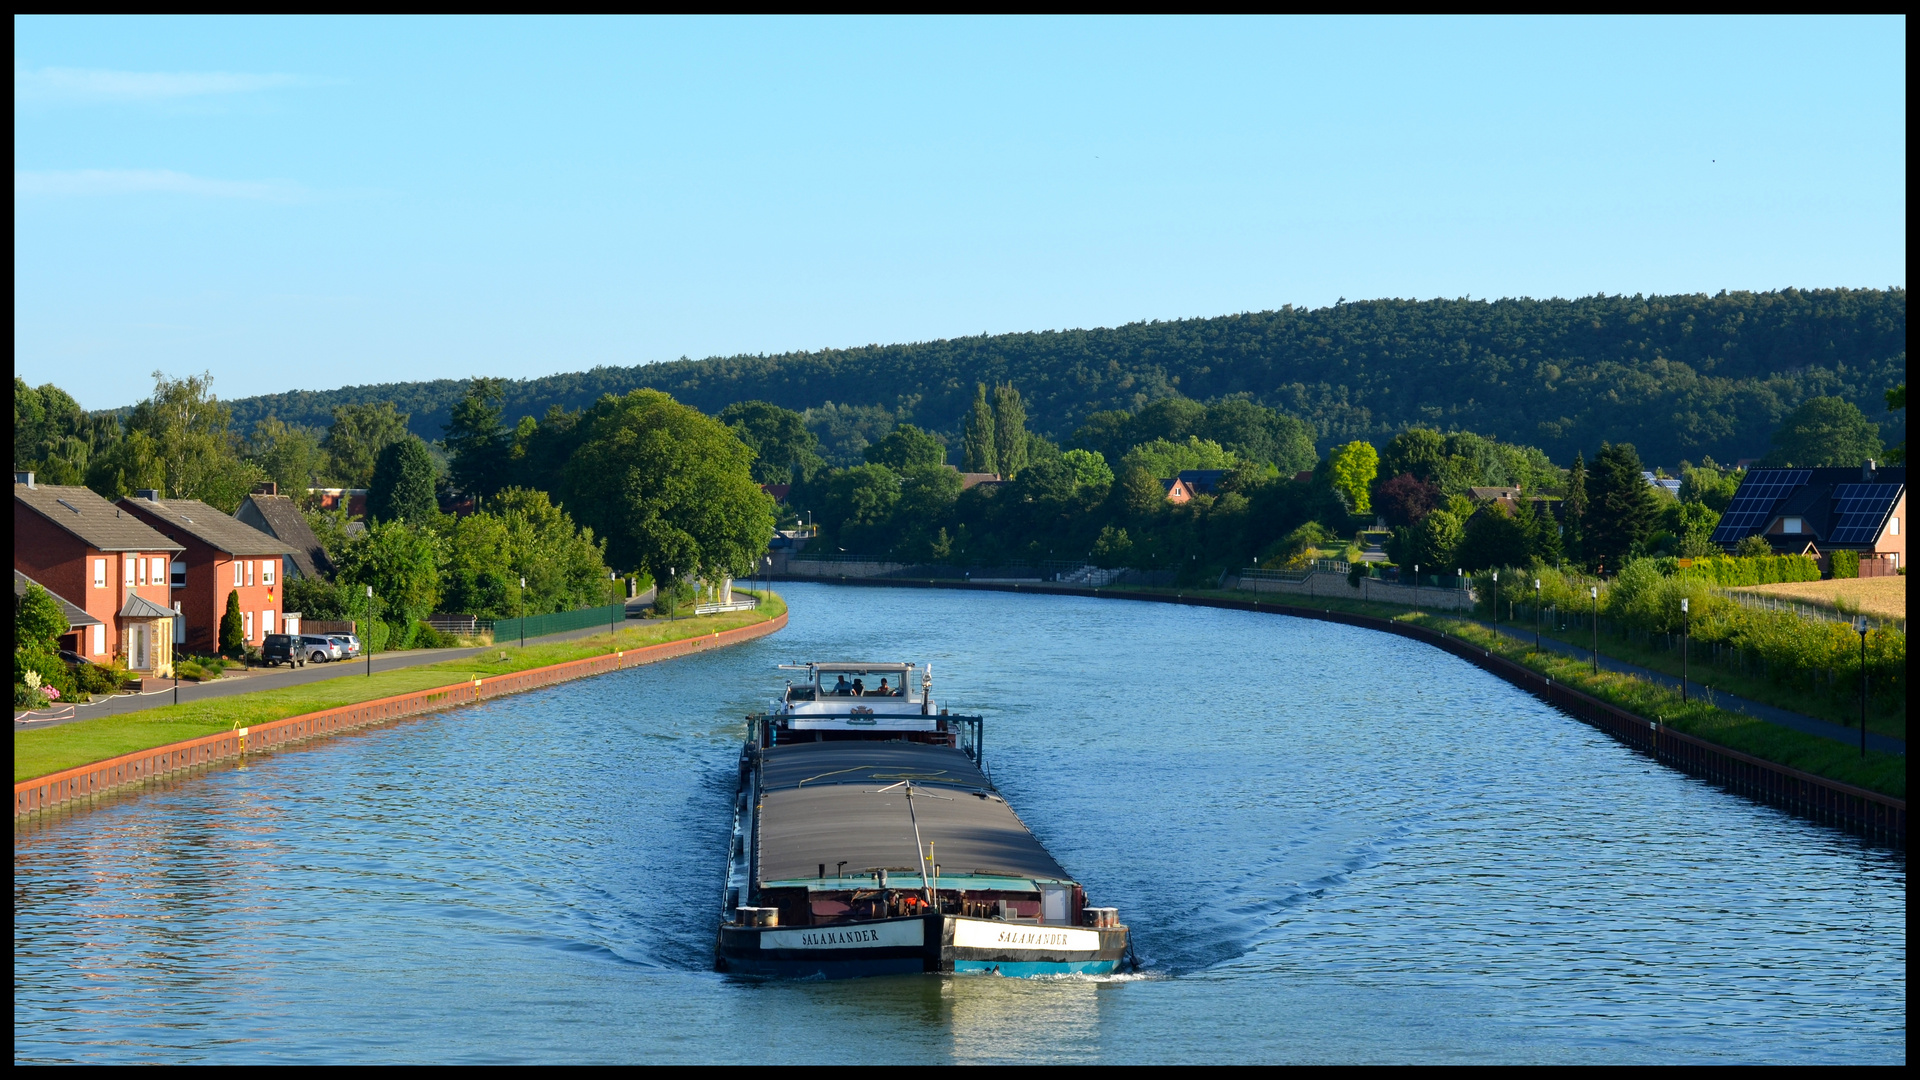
1885	773
49	750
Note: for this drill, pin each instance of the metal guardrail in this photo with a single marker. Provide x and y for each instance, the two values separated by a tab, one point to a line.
716	607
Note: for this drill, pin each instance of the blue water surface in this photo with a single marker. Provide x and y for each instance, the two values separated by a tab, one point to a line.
1333	846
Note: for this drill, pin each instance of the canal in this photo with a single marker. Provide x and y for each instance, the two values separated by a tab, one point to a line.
1333	845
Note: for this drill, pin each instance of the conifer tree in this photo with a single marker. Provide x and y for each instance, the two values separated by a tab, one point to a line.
977	440
1574	507
1009	429
233	631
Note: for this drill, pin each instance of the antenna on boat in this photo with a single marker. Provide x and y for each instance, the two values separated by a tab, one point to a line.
920	855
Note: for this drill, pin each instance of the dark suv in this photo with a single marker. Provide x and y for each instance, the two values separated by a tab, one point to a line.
280	649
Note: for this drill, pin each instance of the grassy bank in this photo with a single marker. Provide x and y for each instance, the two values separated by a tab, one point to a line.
1885	773
49	750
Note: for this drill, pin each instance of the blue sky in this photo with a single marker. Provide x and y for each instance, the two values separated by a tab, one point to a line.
314	203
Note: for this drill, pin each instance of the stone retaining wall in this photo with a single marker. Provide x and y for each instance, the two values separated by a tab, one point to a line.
101	777
1335	586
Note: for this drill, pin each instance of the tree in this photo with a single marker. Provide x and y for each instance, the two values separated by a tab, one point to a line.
358	434
1824	431
233	629
401	561
906	447
1693	523
1753	547
1573	507
521	535
1437	541
1623	507
977	441
1090	471
1405	499
1352	471
1166	459
1709	486
1009	430
1141	494
1494	537
858	504
785	450
1543	532
1417	452
178	441
38	621
403	483
1897	402
289	454
478	441
671	490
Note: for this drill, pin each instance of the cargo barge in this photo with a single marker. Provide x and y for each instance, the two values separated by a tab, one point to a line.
869	840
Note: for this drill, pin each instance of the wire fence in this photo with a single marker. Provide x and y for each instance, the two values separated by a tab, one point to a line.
1763	602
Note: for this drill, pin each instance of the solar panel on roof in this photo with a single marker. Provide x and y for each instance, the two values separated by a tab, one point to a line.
1860	509
1753	504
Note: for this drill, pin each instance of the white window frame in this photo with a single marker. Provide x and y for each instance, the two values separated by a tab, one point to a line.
127	565
159	574
1893	525
181	573
247	632
99	573
140	572
266	571
249	572
266	623
236	573
100	636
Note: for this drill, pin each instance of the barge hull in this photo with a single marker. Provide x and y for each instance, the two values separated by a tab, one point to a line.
808	952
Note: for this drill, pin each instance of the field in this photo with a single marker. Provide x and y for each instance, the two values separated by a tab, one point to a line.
1883	596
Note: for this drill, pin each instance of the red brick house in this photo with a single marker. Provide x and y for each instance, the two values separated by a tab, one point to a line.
108	563
79	623
218	556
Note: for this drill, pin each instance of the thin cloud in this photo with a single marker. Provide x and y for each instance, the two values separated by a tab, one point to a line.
82	182
88	84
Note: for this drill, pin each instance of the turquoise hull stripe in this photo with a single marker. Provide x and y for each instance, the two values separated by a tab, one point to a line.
1028	970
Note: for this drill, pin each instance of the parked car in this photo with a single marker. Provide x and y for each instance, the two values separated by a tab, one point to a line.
349	644
280	649
320	649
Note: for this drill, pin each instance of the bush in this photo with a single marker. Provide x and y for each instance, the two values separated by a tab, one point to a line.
1754	570
100	678
426	637
1846	564
52	670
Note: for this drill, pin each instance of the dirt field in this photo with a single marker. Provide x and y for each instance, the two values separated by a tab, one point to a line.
1886	596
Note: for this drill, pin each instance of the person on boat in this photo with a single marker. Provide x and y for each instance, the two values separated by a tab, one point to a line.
883	691
859	688
842	687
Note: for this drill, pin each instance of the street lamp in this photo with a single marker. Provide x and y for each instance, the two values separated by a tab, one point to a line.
1594	591
1536	614
369	631
1496	607
523	613
612	588
1416	586
1684	626
1860	627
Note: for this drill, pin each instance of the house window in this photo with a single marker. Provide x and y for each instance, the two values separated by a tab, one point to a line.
127	564
159	570
236	573
1789	525
248	629
266	572
99	629
266	622
179	574
1893	526
99	575
249	571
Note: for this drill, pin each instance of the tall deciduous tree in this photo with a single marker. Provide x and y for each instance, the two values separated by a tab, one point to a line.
1009	429
1352	470
403	483
1622	507
671	490
402	563
906	447
977	441
289	454
358	434
785	450
1824	431
179	441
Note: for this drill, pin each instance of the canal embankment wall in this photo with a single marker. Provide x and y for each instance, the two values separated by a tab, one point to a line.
1880	818
82	784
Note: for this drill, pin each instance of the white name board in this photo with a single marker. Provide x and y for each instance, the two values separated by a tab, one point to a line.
977	934
884	935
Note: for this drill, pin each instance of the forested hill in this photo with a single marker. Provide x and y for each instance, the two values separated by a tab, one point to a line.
1679	376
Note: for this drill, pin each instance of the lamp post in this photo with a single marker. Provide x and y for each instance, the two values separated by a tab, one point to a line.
1860	627
369	631
1684	621
673	605
1496	607
1594	591
1536	614
523	613
613	588
1416	586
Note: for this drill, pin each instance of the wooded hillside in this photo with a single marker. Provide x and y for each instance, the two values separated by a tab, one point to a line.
1678	376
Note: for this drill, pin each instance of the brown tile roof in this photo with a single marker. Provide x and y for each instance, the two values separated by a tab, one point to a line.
95	521
282	519
209	526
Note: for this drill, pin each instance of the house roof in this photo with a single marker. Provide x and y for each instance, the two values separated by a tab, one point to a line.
75	616
93	520
139	607
1837	507
285	521
210	526
975	479
1202	481
1484	493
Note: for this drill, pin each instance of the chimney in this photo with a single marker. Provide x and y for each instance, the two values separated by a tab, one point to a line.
1866	473
152	495
267	487
24	478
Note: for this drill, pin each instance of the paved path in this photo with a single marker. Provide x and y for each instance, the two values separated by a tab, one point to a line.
275	678
1773	714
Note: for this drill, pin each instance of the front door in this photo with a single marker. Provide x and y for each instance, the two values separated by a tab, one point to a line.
137	646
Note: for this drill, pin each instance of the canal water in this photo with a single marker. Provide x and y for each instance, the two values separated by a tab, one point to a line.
1333	846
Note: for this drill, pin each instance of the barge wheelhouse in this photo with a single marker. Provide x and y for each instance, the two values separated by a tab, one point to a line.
869	840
